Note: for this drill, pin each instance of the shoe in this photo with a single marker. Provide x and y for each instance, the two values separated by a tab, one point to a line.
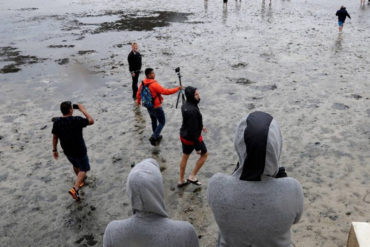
159	138
74	194
152	141
183	184
196	182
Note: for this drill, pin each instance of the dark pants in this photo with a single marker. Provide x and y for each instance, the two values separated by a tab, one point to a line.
157	115
134	83
81	163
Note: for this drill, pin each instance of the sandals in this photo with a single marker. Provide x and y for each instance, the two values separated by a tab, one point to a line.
196	182
182	184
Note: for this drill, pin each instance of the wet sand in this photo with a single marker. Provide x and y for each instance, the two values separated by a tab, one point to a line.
287	59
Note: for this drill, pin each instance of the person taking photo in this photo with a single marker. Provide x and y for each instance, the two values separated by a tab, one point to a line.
68	129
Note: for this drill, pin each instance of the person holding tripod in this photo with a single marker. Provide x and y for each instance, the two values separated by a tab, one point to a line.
190	136
155	111
134	62
68	129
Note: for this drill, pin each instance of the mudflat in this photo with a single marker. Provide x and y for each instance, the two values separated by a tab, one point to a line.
287	59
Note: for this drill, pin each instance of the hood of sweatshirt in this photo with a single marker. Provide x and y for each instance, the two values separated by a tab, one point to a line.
258	143
145	188
148	81
189	93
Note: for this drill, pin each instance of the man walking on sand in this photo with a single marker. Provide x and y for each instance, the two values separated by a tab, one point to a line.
342	15
190	136
68	129
134	62
156	112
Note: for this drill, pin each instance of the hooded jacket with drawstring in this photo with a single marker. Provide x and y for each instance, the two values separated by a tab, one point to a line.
252	208
156	90
149	226
192	121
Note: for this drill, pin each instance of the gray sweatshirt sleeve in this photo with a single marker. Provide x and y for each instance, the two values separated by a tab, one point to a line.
193	237
300	202
107	240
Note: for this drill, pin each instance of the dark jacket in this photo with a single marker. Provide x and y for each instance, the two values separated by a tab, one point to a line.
342	14
192	121
134	61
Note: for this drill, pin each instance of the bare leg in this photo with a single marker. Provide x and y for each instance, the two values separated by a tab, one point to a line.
340	28
198	165
183	162
80	177
76	170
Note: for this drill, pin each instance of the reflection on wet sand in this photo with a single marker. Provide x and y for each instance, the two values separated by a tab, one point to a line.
205	6
224	14
238	5
139	119
269	11
338	43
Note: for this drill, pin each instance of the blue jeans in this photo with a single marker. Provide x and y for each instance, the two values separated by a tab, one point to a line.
157	115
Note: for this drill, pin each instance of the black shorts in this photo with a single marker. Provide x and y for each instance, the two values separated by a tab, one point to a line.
187	149
80	163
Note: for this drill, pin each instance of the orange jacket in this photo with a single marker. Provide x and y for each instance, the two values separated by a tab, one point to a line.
156	90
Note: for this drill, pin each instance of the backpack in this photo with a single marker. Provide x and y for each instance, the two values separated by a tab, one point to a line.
146	97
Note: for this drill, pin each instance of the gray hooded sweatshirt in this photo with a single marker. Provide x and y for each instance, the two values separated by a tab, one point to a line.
149	226
252	208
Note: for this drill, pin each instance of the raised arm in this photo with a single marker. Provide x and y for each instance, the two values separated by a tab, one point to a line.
166	91
87	115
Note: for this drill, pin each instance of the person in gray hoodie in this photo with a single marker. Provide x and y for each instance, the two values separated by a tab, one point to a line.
149	226
256	205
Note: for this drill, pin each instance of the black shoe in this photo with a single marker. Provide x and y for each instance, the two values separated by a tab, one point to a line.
159	138
152	141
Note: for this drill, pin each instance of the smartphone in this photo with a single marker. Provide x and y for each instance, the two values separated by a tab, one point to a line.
75	106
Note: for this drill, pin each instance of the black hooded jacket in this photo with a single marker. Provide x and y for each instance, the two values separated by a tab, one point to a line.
192	121
342	14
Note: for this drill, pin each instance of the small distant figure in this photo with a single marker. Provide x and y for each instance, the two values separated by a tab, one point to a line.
190	136
258	203
134	62
155	109
68	129
149	226
342	15
225	2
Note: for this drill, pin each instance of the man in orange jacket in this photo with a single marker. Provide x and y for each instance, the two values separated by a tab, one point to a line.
156	113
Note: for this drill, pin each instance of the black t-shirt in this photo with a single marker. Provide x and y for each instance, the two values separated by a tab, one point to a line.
69	132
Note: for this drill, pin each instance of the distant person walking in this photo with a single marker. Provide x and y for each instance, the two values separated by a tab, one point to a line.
149	225
190	135
134	62
225	2
156	112
342	15
68	129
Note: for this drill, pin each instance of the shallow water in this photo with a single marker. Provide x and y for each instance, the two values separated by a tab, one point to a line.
286	58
